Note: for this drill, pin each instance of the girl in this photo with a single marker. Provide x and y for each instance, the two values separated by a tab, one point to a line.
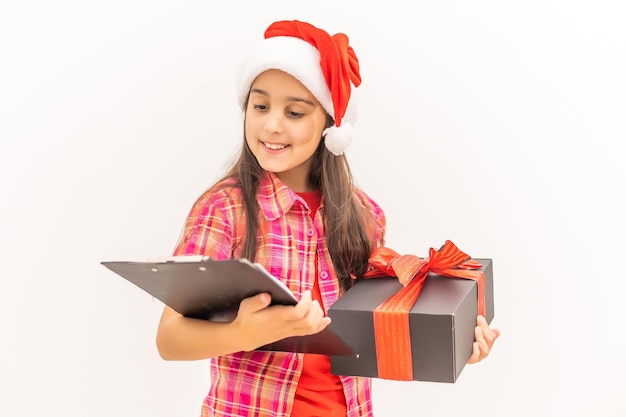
288	203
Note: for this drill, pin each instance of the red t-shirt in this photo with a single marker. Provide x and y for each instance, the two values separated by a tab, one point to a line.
319	392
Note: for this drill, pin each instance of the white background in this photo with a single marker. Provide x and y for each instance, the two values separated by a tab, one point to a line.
497	125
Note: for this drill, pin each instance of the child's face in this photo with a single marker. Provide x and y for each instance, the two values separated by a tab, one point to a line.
284	124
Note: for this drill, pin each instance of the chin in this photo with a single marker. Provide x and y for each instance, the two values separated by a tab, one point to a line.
276	169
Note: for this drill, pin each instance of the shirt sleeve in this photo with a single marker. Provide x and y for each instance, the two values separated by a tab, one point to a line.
380	225
379	221
208	230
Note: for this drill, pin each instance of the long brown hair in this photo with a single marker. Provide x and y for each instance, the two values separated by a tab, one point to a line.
347	222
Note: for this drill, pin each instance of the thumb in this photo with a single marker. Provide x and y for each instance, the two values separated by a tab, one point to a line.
255	303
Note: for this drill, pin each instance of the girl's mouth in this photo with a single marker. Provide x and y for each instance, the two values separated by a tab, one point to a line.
274	146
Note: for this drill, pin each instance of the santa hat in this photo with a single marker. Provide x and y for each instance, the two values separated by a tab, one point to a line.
326	65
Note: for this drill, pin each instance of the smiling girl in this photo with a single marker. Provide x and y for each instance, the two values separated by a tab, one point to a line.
290	204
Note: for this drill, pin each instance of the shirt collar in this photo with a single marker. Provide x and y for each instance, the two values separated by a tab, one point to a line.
275	198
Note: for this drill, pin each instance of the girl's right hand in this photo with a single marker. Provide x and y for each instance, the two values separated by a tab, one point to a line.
259	324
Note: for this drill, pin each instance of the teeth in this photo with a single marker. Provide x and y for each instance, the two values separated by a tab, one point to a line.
274	146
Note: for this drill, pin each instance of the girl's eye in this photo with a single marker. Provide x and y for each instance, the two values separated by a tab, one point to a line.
259	107
295	114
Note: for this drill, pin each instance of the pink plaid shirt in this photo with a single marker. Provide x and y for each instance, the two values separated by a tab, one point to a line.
263	383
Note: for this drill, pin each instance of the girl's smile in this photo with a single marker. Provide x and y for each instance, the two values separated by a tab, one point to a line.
274	147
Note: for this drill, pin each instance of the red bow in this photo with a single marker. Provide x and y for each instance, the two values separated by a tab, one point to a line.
391	318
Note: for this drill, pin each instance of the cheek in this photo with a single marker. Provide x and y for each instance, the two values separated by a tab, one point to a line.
249	127
308	132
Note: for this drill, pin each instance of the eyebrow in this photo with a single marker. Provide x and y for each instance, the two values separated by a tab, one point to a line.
296	99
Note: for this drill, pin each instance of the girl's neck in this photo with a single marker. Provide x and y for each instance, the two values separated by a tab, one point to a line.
297	179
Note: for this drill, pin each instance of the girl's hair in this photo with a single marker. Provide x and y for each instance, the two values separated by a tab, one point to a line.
346	220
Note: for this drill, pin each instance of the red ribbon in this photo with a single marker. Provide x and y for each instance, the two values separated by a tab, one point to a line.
391	318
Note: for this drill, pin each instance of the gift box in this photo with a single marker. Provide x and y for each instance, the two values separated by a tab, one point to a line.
441	324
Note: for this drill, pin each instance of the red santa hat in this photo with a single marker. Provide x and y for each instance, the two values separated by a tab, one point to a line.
326	65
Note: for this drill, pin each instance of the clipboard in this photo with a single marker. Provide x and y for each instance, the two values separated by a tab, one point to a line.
206	289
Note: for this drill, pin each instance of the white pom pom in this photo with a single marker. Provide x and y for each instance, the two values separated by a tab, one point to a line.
338	138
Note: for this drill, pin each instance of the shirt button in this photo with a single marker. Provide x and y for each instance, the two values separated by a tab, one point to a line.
323	275
310	232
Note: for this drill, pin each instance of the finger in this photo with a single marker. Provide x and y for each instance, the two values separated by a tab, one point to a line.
489	334
255	303
483	346
475	356
485	337
324	322
319	320
315	313
312	315
478	347
306	296
312	321
482	322
303	306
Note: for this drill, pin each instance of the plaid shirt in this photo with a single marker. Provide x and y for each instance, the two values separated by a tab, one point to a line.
261	383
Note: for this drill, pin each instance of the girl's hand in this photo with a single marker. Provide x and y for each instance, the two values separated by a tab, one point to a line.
259	324
485	337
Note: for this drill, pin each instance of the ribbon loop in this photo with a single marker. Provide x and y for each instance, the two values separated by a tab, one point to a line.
385	262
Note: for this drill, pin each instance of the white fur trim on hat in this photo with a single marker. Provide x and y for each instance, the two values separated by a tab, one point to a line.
292	55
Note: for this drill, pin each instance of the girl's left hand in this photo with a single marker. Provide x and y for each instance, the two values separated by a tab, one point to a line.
485	337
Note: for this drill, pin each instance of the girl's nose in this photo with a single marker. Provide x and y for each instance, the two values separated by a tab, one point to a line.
273	122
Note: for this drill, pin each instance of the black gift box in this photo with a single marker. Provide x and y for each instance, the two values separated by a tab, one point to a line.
441	321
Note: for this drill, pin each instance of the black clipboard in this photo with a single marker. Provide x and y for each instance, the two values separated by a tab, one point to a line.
202	288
